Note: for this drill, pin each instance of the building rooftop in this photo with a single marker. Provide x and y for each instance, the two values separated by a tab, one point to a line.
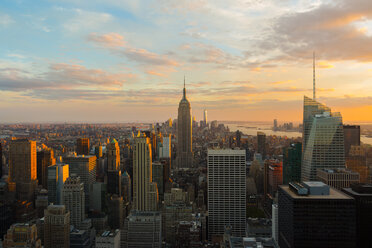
360	189
333	194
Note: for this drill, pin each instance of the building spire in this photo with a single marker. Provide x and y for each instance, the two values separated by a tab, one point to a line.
314	90
184	87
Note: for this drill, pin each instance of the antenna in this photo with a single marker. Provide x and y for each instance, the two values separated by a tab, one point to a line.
184	81
314	95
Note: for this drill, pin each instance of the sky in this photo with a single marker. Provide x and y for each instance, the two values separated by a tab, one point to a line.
125	60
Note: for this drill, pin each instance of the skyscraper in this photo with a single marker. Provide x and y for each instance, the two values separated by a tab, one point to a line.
23	167
351	137
73	198
56	227
205	118
82	146
311	108
142	174
57	175
45	158
261	144
184	133
292	157
324	145
226	192
1	160
362	194
113	168
85	167
312	214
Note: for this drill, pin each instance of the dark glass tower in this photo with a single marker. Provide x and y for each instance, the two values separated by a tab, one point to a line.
292	163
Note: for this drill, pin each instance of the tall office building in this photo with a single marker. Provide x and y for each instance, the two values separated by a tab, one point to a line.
261	144
312	214
45	158
142	229
85	167
351	137
57	175
108	239
113	168
56	227
158	177
205	118
357	162
23	168
292	157
324	146
82	146
166	148
274	223
226	192
362	194
73	198
142	175
311	108
184	133
115	211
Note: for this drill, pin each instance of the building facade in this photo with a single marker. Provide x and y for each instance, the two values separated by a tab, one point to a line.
184	133
226	192
292	157
82	146
338	178
56	227
312	214
73	197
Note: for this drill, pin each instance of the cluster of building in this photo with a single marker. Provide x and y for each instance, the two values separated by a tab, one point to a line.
185	184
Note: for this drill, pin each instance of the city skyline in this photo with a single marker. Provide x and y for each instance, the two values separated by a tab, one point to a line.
124	61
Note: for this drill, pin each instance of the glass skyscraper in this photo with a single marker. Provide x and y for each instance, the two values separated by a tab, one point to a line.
324	145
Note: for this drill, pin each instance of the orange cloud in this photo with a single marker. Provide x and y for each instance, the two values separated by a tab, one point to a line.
256	69
281	82
324	65
155	73
107	40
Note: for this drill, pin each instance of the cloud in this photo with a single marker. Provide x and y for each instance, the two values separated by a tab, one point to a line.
329	30
61	76
154	73
5	20
79	20
281	82
107	40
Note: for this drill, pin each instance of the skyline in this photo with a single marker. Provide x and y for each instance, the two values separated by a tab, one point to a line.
124	61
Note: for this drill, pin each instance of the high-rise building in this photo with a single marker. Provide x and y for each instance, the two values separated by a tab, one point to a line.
338	178
45	158
56	227
362	194
311	108
73	198
142	229
324	146
312	214
85	167
166	148
22	235
292	157
275	177
158	177
57	175
142	175
184	133
357	162
115	211
41	202
205	118
261	144
23	168
113	168
351	137
82	146
275	127
226	192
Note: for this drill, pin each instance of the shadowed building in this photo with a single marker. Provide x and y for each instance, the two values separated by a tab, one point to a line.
312	214
23	168
292	156
82	146
57	227
351	137
45	158
113	168
184	133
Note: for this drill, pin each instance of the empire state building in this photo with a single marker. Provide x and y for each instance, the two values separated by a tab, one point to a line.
184	133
